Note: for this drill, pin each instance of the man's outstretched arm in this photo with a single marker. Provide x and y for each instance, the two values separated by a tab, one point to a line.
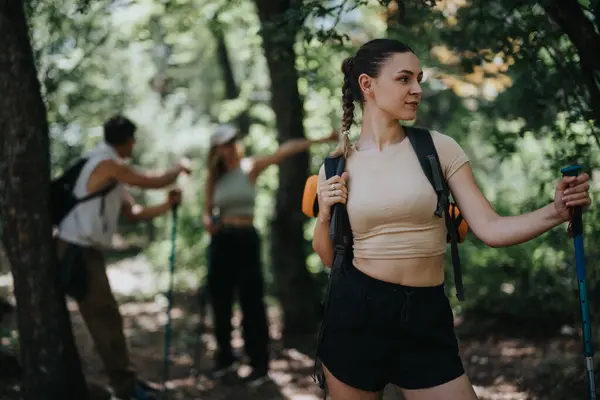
117	170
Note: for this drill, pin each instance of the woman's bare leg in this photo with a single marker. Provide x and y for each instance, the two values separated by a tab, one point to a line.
340	391
457	389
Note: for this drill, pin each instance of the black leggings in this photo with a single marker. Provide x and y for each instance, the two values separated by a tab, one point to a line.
234	267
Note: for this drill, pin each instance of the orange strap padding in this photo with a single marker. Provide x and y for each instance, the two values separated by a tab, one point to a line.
310	206
461	223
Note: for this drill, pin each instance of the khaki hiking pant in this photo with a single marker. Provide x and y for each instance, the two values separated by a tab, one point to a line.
102	317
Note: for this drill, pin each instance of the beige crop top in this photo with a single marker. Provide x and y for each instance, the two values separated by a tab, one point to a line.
391	203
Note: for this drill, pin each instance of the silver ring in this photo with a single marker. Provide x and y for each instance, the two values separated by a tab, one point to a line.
333	186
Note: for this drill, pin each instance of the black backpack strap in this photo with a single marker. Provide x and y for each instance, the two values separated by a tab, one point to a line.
341	235
102	192
77	167
332	165
458	282
339	227
424	147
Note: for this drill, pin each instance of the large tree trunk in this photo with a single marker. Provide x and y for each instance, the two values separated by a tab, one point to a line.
50	361
295	285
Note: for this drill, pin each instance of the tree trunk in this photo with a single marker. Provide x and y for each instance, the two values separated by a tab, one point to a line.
295	286
50	361
570	17
232	90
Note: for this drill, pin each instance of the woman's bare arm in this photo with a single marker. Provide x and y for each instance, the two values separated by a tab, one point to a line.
502	231
322	244
293	146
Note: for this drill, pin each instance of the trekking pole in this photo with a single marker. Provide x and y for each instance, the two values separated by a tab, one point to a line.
199	344
167	343
576	231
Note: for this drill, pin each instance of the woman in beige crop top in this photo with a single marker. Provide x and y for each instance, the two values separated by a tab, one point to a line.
234	252
388	319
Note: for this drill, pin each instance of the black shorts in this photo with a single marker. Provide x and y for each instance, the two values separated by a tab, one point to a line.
377	332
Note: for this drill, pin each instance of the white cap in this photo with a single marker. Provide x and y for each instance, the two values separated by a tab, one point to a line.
222	135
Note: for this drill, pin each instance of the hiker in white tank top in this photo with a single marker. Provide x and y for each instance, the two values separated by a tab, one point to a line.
92	223
89	227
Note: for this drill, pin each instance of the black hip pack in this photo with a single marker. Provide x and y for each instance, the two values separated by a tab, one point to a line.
73	272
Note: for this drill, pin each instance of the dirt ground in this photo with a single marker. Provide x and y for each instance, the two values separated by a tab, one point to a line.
501	368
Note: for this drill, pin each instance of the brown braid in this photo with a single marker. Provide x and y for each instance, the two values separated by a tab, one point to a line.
348	106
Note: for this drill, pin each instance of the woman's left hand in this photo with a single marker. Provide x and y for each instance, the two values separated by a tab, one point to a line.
572	191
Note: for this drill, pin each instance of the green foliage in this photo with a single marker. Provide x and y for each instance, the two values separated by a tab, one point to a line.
547	91
80	90
521	110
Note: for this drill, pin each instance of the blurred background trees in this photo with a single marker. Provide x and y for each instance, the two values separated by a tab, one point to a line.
516	83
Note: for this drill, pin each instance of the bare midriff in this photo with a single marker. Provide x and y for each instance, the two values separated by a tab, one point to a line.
416	272
236	221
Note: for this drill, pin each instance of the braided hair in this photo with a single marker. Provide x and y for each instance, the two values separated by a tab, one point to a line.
367	60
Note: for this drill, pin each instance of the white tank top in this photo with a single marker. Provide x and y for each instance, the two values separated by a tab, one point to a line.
85	224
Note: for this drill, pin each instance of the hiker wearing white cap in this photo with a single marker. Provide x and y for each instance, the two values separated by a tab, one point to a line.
234	254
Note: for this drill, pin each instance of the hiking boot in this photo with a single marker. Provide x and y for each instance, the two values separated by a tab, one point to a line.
141	391
257	377
224	367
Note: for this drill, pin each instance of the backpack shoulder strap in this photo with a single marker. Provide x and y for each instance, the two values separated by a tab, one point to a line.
334	166
339	228
424	147
102	192
341	236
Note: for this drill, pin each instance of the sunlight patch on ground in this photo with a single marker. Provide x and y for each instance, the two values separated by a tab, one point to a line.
6	286
512	352
290	395
132	275
485	393
135	276
6	280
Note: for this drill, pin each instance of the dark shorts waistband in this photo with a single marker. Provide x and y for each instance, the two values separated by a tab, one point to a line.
373	284
225	229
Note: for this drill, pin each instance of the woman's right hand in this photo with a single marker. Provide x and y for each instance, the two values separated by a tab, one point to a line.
209	224
332	191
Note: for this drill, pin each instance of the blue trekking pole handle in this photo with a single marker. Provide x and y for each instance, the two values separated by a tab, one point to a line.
167	344
577	230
